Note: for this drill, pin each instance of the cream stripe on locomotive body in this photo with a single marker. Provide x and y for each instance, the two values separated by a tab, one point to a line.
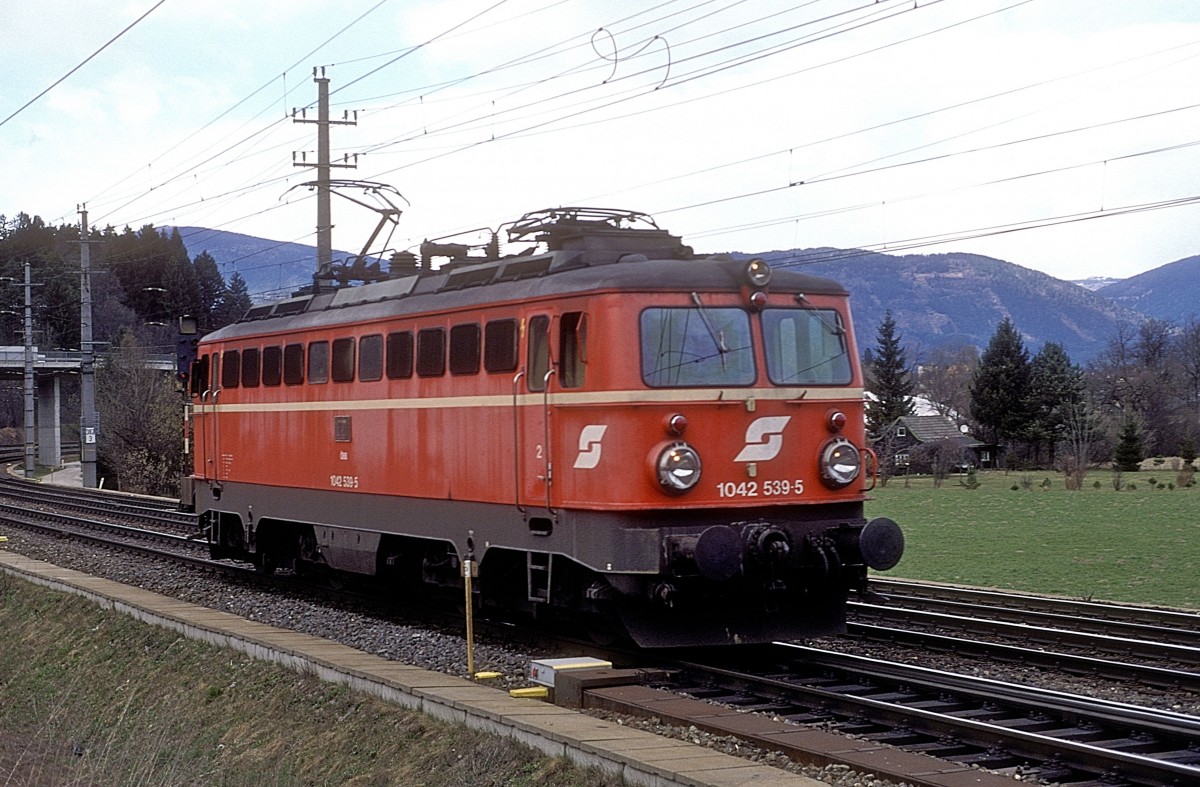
634	445
697	396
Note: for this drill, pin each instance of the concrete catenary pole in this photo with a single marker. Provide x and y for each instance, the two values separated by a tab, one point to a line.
29	424
323	166
87	361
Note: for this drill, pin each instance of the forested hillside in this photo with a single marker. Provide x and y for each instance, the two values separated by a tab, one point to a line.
141	282
1170	292
952	300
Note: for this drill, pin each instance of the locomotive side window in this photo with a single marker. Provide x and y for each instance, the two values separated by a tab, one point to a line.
431	352
400	355
806	347
230	367
199	377
251	364
464	348
293	364
318	362
370	358
572	352
539	352
343	360
272	365
500	346
701	346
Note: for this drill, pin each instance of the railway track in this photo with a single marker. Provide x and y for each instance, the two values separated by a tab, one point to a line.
176	547
16	453
1022	730
148	511
1014	729
1144	623
1155	647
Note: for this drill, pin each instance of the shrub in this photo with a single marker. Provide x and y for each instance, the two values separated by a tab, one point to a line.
1131	487
1016	488
1187	451
1186	476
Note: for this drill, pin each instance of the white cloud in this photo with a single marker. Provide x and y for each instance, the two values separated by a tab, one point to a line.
137	115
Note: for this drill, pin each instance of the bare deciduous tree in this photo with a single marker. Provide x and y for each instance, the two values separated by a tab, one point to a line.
946	379
141	422
1083	443
939	458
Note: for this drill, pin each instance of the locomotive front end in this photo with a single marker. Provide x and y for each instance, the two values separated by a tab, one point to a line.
756	464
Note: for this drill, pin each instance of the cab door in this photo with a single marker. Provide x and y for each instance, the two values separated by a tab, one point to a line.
534	419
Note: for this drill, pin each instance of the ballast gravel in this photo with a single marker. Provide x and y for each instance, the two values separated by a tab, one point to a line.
445	651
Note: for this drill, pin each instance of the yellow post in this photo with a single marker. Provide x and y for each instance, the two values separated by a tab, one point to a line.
467	571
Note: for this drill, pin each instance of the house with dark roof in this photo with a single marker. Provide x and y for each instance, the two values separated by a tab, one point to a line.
902	441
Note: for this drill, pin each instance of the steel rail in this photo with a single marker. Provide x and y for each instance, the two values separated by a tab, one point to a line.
900	590
61	524
1087	640
936	711
105	503
1075	663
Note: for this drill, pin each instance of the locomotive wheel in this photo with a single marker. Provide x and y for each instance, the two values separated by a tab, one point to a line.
265	564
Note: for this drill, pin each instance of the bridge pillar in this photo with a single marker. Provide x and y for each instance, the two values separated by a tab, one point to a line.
49	432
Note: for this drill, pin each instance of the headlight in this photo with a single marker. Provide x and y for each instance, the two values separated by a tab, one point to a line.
758	273
677	468
840	463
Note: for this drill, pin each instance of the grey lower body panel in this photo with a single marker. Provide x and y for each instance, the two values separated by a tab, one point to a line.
672	577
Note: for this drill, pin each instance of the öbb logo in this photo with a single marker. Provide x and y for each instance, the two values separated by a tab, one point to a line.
764	439
590	446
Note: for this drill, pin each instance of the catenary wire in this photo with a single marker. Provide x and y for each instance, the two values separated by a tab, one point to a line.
86	60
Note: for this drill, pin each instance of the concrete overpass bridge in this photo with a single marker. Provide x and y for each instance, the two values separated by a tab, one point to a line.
48	369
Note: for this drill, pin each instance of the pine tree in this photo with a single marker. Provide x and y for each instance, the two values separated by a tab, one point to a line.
1000	389
235	301
1055	386
1187	451
210	286
890	379
1128	454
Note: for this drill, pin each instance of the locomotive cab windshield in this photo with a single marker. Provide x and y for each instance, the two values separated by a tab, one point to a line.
713	346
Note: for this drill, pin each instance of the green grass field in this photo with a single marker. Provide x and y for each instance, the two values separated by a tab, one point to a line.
1140	546
90	696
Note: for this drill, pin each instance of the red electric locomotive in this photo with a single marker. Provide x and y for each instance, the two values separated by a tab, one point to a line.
606	425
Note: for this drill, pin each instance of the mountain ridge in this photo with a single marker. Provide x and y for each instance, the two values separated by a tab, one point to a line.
951	299
1167	292
938	300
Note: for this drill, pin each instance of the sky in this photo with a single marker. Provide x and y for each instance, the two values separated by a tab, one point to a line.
1060	135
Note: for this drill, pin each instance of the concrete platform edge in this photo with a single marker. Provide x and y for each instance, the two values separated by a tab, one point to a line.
584	740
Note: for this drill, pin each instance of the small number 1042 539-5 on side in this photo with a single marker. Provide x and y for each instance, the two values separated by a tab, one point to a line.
343	481
770	488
